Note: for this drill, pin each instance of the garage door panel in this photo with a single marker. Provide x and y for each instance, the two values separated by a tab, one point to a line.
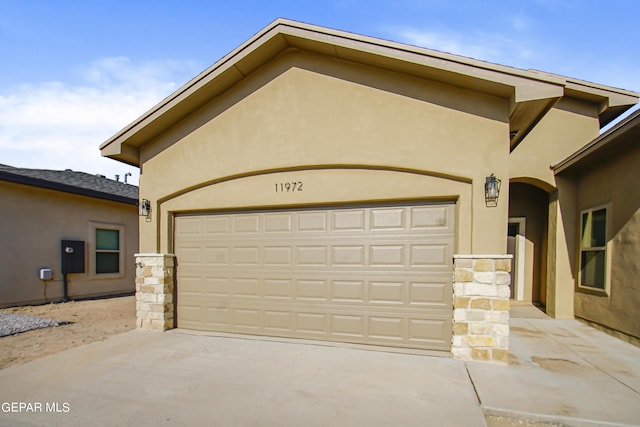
278	320
388	219
278	223
347	325
387	293
216	286
311	256
434	293
218	317
379	275
312	290
348	256
311	323
348	291
247	318
191	255
430	331
348	220
189	226
245	287
390	255
435	219
212	255
278	255
215	225
387	328
312	222
246	256
359	326
429	255
280	289
369	290
247	223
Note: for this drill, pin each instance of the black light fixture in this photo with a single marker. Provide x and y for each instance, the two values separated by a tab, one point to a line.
145	208
491	191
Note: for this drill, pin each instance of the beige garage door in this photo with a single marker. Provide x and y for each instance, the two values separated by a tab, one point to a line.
366	275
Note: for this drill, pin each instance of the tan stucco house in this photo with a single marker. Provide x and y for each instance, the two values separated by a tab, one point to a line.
65	235
321	185
600	192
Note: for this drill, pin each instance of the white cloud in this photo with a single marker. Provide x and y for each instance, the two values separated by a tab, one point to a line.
487	47
55	125
520	22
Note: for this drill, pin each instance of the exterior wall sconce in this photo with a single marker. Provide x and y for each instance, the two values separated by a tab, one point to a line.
145	208
491	191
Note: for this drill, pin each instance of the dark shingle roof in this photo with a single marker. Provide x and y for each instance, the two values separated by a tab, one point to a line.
72	182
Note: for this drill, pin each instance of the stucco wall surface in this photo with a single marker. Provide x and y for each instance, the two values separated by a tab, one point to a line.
614	185
33	223
349	132
568	126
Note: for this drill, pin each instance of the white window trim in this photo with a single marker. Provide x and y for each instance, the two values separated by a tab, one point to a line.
518	269
607	251
91	243
522	223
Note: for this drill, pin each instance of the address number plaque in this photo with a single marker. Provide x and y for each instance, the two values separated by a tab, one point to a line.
288	187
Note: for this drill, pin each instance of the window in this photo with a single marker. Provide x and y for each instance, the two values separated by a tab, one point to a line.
107	258
593	249
107	251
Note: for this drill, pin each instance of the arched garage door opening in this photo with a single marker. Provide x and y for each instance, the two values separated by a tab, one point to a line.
374	275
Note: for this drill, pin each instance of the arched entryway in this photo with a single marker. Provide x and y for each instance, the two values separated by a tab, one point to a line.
527	241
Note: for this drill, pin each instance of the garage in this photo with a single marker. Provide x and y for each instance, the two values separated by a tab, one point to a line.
374	275
322	186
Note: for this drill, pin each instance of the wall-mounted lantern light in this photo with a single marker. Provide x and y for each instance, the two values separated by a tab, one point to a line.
145	208
491	191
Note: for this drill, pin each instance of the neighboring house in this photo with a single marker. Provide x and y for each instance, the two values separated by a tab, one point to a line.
323	185
42	208
599	194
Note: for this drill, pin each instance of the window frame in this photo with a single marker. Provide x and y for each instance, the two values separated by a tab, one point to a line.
606	249
93	226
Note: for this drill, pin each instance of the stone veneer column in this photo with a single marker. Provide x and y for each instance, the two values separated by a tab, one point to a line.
154	291
481	308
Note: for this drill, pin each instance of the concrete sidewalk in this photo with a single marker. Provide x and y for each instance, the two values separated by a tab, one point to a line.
562	373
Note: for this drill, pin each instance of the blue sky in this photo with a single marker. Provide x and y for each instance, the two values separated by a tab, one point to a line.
72	73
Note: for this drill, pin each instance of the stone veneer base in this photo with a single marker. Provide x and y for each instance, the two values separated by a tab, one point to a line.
154	291
481	308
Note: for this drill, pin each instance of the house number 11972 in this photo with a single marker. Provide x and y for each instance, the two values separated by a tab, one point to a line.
287	187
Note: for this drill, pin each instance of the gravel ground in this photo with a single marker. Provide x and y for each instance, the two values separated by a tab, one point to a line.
12	323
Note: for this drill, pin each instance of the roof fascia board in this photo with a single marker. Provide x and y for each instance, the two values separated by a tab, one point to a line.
303	29
528	86
65	188
519	85
600	90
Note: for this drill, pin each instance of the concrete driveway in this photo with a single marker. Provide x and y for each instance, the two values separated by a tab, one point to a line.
149	379
562	373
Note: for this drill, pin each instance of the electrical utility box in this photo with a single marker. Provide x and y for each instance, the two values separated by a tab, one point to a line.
46	274
72	252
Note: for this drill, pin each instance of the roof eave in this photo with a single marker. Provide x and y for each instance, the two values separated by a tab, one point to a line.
56	186
606	139
531	93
